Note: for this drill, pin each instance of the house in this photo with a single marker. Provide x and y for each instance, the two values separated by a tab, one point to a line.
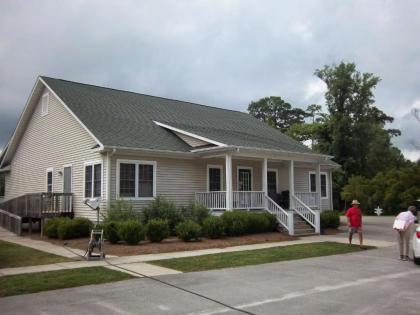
78	141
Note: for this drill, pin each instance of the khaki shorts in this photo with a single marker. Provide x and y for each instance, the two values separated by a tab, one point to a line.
353	230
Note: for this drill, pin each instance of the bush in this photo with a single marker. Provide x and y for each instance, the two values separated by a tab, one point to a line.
235	223
188	230
74	228
213	227
256	223
330	219
131	232
160	208
157	230
195	212
50	227
112	231
122	210
272	219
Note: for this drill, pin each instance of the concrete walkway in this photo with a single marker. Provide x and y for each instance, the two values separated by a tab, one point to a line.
138	263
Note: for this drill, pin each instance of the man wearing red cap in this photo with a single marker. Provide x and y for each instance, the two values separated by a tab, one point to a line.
354	221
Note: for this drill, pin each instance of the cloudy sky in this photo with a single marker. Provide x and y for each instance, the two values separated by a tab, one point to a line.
215	52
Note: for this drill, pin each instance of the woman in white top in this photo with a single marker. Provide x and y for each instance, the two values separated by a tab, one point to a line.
403	225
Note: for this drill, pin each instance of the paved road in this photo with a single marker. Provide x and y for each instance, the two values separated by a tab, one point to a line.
369	282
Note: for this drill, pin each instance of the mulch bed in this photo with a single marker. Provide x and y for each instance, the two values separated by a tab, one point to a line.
172	244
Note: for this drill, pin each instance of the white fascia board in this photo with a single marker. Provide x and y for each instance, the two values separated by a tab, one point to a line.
136	151
192	135
73	114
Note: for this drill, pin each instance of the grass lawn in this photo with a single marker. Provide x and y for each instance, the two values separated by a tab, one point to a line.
52	280
13	255
256	257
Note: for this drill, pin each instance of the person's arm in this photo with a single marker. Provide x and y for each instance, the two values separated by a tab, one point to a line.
347	214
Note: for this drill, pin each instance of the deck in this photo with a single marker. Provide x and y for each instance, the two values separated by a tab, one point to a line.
34	207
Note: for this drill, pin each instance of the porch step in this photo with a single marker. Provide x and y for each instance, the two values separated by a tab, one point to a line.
302	227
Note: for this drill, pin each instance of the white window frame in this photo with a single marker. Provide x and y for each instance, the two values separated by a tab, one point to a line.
45	100
209	166
136	184
326	183
93	163
49	170
277	177
71	178
237	176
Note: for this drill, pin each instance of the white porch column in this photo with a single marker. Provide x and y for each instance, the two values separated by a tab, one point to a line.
318	183
228	168
264	176
291	181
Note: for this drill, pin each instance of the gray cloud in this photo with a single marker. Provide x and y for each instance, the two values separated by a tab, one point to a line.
222	53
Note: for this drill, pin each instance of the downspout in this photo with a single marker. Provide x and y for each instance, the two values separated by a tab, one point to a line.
108	178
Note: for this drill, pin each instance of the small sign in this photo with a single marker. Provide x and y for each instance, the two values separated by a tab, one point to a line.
378	211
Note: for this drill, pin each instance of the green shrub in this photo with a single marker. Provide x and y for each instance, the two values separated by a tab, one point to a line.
188	231
160	208
50	227
195	212
112	231
330	219
74	228
157	230
272	219
256	223
122	210
235	223
213	227
131	232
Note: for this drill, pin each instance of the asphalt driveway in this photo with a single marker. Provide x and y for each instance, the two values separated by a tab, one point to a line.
369	282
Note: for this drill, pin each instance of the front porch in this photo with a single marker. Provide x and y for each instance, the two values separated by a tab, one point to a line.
281	192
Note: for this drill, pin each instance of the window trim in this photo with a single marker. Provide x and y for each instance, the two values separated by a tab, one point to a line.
219	166
275	170
49	170
326	184
4	178
92	163
136	178
245	168
45	105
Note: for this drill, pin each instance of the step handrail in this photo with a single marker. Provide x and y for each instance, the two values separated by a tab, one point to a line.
304	211
281	214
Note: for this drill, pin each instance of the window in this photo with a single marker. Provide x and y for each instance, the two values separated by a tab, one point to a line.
324	184
44	104
244	178
136	179
93	179
312	182
49	180
272	182
2	185
214	178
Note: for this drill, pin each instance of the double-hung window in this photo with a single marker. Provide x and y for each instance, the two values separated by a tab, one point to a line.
214	175
324	184
136	179
49	180
93	179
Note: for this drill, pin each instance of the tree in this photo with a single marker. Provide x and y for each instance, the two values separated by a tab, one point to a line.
277	113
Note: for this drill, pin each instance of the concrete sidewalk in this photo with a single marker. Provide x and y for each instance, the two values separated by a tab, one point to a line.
138	263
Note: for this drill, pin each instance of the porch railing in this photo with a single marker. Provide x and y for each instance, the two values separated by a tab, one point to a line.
248	200
310	199
39	204
213	199
309	215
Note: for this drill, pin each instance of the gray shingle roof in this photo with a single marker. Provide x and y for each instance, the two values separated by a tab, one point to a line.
125	119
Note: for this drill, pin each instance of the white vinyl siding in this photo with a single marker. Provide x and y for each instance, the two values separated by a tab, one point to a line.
193	142
54	140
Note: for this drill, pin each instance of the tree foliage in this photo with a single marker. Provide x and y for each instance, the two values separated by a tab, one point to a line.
277	113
